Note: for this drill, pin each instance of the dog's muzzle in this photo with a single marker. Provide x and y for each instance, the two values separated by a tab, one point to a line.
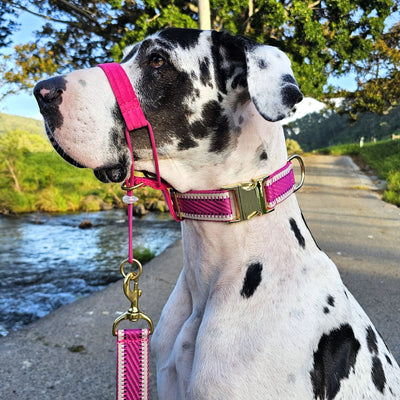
48	94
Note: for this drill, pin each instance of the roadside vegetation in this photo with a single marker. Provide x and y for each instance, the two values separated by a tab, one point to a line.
383	157
33	177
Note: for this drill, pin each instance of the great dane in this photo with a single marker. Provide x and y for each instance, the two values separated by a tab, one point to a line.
259	311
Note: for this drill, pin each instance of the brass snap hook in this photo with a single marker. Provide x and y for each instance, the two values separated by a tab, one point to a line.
133	314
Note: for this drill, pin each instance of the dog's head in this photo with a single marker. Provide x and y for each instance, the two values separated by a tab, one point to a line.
193	87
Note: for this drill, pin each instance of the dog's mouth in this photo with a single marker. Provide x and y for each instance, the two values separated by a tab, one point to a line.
113	174
60	151
109	174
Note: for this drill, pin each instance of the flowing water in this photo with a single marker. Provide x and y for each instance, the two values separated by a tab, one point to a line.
48	261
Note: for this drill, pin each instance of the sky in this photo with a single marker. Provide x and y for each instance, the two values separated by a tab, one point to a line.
24	104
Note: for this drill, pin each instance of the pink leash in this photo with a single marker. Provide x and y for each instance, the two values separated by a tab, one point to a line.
132	344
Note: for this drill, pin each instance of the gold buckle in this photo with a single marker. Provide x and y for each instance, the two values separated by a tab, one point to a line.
249	198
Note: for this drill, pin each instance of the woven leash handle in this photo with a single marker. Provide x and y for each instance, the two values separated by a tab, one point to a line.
133	364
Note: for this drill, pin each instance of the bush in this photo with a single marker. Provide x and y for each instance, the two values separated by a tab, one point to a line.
293	147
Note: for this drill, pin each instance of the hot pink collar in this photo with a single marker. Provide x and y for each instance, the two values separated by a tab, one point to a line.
239	202
229	204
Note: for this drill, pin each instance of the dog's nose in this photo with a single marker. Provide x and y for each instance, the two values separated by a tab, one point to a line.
49	92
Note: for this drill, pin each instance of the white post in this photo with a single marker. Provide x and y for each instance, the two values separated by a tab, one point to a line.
204	14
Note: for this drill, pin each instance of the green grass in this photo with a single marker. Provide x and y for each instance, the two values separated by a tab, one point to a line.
33	177
383	157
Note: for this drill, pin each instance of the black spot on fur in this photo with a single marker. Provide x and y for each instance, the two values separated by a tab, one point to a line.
326	310
251	280
378	374
262	64
305	223
205	76
335	357
240	120
82	82
226	47
388	359
372	341
130	54
263	155
297	233
287	78
290	95
217	122
185	38
187	143
330	300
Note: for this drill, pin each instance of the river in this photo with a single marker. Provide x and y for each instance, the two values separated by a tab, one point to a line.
47	261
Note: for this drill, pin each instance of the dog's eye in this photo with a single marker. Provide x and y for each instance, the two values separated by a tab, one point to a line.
156	61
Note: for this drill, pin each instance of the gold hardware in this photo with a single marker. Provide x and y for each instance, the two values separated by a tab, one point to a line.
127	188
249	199
174	199
302	170
133	314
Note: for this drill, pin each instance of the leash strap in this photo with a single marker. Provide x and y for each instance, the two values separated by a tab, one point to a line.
132	364
132	344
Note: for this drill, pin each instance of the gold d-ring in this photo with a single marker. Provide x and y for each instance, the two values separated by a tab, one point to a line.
127	188
302	169
135	274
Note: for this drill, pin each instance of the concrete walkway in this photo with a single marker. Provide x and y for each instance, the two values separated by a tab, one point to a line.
70	354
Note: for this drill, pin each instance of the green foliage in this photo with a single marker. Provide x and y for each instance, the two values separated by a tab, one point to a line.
318	130
322	38
383	157
143	255
293	147
378	76
35	178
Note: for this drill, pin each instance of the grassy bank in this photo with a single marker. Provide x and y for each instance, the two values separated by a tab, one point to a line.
383	157
35	178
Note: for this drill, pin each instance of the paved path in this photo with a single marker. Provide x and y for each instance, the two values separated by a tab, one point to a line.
70	354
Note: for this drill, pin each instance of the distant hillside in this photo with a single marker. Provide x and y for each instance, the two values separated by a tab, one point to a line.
318	130
10	123
23	133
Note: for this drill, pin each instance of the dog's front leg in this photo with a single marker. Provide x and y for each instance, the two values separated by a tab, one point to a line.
173	342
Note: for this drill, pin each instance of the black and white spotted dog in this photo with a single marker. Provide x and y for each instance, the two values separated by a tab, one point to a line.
259	311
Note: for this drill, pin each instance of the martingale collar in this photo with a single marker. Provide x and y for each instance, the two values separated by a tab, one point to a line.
239	202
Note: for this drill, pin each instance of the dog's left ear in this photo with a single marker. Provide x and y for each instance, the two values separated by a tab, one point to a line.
271	83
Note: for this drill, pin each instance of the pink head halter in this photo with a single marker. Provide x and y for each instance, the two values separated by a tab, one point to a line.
210	205
134	119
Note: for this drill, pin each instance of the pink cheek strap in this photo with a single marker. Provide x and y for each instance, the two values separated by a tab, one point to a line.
134	119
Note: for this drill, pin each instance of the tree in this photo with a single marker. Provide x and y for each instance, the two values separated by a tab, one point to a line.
378	77
322	38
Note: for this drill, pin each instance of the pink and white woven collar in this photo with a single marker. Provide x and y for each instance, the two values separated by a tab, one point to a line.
239	202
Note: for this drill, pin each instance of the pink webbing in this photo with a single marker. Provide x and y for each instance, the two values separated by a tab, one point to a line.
280	185
208	205
132	364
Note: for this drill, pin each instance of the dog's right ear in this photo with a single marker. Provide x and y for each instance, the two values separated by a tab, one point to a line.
271	83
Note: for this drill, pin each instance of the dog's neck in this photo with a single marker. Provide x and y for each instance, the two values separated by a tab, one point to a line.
216	254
